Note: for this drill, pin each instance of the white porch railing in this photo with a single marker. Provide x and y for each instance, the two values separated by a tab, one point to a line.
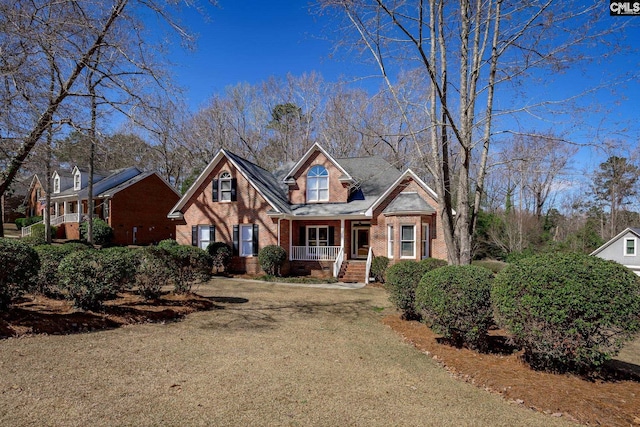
314	253
367	271
55	221
338	263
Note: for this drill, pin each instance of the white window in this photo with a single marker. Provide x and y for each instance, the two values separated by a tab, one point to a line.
204	236
425	240
408	241
318	184
390	241
76	181
318	236
246	240
630	246
56	184
224	187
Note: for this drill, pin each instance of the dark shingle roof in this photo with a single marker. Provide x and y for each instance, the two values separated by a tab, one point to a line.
408	202
266	182
373	175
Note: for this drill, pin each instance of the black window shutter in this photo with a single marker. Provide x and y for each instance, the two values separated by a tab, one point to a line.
234	193
255	239
212	234
332	241
214	194
236	240
303	236
194	235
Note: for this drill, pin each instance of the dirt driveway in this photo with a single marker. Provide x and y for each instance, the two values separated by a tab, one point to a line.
269	355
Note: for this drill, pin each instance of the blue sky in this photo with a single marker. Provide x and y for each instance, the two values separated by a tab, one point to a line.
250	41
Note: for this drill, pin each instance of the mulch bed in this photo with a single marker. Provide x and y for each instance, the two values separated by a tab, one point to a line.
613	399
36	314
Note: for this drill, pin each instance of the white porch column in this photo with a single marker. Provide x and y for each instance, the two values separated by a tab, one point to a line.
79	210
57	209
342	233
65	207
290	238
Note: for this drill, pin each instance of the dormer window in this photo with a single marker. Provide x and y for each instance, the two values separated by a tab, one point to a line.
77	181
224	188
56	184
318	184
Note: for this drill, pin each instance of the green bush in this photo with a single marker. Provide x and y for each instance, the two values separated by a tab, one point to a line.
569	311
120	265
455	301
221	255
491	264
156	269
50	258
88	279
25	222
102	232
379	267
38	236
402	280
192	264
167	244
271	258
18	270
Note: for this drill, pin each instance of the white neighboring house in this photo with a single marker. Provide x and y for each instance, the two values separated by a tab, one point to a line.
623	248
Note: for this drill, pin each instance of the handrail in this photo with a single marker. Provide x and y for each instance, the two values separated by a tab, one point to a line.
367	270
337	264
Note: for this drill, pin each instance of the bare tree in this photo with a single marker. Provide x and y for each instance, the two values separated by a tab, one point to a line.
66	36
467	49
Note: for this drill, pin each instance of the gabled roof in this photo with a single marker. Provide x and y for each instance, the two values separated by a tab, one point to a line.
263	181
373	175
635	231
110	192
406	174
407	203
102	184
316	147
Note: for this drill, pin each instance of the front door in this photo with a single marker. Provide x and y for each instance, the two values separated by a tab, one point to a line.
360	240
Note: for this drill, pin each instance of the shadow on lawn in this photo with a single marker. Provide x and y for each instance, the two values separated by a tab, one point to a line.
269	316
41	315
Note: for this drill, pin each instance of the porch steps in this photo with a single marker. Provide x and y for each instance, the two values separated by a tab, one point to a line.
352	271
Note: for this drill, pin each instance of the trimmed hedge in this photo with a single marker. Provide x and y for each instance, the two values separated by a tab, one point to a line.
50	258
156	269
25	222
89	279
455	300
569	311
271	258
102	232
220	254
191	264
19	264
403	278
379	266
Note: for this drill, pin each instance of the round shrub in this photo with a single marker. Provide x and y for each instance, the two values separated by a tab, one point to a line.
569	311
402	280
19	264
87	278
379	268
271	258
50	258
221	255
455	301
156	269
192	264
102	232
167	244
120	265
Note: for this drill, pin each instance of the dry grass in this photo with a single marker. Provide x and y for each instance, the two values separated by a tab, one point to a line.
270	355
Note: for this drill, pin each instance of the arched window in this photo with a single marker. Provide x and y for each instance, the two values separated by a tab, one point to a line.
318	184
225	186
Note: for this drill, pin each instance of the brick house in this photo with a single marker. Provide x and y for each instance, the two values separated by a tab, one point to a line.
132	202
331	215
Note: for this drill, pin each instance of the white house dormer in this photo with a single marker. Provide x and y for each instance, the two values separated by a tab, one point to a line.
80	178
56	183
77	180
